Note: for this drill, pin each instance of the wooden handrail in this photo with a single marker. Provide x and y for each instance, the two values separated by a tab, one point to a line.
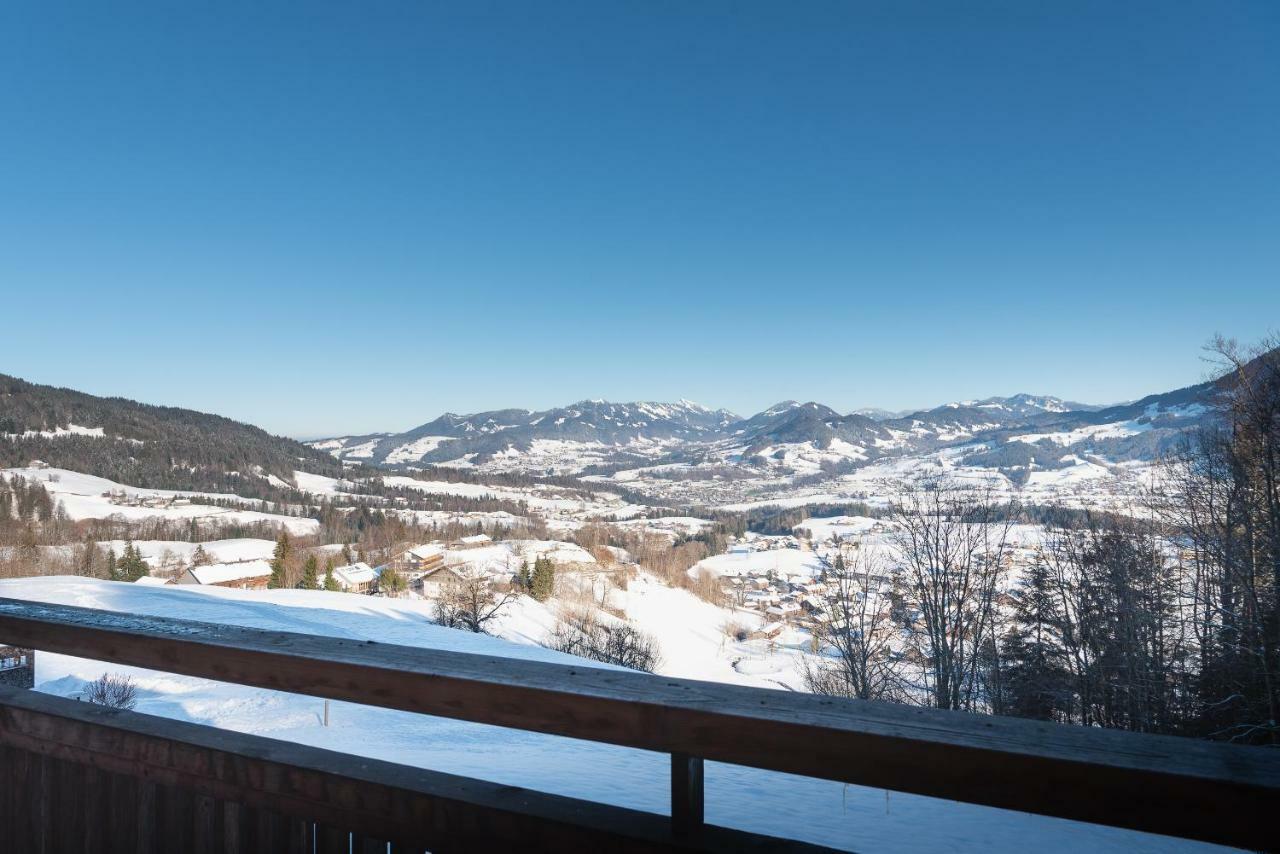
414	808
1161	784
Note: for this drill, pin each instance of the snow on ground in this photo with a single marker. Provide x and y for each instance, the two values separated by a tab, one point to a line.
85	496
440	518
412	452
479	490
513	553
673	526
691	635
160	552
822	529
1114	430
779	804
318	484
57	432
783	562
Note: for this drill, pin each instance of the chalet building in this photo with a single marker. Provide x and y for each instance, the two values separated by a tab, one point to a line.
768	631
245	575
17	667
419	560
475	541
432	583
355	578
784	611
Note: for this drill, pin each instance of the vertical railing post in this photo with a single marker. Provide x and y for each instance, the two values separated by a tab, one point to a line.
687	803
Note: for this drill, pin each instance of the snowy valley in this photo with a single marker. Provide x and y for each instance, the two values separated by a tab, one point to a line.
710	546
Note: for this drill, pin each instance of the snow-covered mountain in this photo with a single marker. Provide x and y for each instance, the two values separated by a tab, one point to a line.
1027	404
480	437
1014	434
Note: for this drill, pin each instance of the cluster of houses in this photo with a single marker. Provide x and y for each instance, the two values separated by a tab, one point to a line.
17	667
777	597
423	568
128	499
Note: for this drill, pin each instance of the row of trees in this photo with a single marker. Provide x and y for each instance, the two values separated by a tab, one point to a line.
1163	619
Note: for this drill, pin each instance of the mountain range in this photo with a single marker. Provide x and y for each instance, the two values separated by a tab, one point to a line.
166	447
1021	429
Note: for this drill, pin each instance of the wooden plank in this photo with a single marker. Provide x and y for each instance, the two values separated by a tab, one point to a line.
148	826
301	835
205	838
67	807
362	844
17	784
96	809
687	798
175	811
7	790
122	824
420	809
41	783
233	824
269	831
1162	784
331	840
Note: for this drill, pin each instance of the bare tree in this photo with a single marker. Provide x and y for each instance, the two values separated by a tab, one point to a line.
583	633
114	690
1225	502
953	544
856	637
470	601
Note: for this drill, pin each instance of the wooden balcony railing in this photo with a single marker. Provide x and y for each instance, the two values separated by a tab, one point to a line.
80	777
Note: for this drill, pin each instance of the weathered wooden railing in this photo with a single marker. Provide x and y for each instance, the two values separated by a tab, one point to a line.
81	777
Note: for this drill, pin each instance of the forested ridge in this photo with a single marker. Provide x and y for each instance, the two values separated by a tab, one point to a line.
161	447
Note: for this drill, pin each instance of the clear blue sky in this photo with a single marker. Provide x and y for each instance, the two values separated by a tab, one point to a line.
336	218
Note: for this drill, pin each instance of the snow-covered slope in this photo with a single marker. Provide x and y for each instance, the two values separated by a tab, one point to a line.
84	496
779	804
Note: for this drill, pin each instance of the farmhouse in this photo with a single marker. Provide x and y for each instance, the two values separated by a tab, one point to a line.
354	578
418	560
245	575
432	583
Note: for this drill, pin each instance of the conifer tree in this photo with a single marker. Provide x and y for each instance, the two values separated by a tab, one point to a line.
1037	679
310	571
279	560
391	582
542	586
131	566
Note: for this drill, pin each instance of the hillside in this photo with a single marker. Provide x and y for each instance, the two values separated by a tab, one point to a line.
160	447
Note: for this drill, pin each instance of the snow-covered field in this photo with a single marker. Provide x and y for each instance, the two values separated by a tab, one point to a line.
85	496
814	810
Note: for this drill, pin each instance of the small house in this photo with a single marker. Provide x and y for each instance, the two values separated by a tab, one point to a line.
432	584
357	577
245	575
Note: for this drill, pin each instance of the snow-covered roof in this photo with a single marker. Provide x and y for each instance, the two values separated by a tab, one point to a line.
476	539
151	580
356	573
428	551
220	573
